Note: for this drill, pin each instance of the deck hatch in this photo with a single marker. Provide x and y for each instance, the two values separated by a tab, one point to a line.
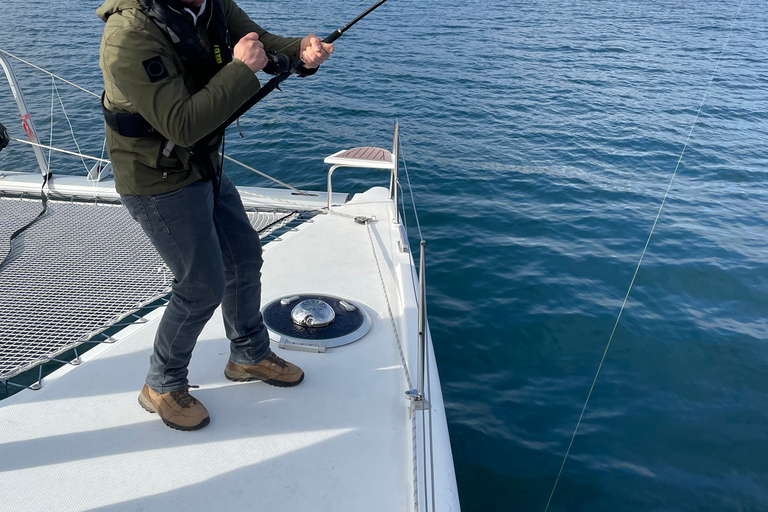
350	323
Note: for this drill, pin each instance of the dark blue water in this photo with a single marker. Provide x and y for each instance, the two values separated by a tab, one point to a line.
540	137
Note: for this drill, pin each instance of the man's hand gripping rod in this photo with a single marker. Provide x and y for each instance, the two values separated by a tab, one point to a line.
292	68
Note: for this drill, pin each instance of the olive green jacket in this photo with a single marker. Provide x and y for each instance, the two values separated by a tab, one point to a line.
130	38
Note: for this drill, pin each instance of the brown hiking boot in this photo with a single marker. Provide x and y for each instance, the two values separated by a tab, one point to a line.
272	370
177	409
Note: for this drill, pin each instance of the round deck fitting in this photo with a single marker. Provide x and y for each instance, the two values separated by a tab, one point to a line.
315	322
312	313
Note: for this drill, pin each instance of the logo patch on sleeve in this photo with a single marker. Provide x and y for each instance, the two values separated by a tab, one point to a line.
155	68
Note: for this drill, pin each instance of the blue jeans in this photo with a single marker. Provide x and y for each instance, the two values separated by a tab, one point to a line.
215	256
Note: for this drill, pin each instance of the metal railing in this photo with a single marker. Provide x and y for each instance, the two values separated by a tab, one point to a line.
341	160
394	179
26	117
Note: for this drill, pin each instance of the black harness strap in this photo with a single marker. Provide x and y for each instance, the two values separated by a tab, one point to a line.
19	231
128	125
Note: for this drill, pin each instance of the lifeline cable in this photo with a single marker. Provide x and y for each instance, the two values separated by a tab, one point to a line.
49	73
66	152
428	383
102	159
632	282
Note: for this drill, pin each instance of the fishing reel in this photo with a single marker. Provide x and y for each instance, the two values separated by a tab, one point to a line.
278	63
4	137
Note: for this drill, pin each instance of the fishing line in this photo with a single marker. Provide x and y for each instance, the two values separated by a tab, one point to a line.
341	15
637	269
337	19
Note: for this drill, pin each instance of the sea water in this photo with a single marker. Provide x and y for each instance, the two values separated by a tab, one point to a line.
540	139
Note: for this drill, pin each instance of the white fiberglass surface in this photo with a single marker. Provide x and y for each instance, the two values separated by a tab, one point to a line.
339	441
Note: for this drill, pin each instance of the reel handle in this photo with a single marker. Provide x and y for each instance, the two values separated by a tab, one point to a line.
279	63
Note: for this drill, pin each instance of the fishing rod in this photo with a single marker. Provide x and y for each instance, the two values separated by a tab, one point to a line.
337	33
282	68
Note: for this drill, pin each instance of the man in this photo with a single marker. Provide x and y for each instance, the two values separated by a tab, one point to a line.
174	71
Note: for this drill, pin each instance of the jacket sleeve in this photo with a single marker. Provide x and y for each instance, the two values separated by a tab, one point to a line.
164	100
240	24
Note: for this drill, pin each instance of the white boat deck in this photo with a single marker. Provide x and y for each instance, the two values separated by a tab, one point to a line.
343	440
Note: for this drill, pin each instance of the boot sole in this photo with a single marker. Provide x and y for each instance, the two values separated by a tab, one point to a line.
247	377
150	409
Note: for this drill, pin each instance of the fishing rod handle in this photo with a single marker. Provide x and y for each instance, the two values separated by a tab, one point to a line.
334	36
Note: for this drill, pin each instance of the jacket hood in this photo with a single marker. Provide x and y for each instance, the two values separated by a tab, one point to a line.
111	7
